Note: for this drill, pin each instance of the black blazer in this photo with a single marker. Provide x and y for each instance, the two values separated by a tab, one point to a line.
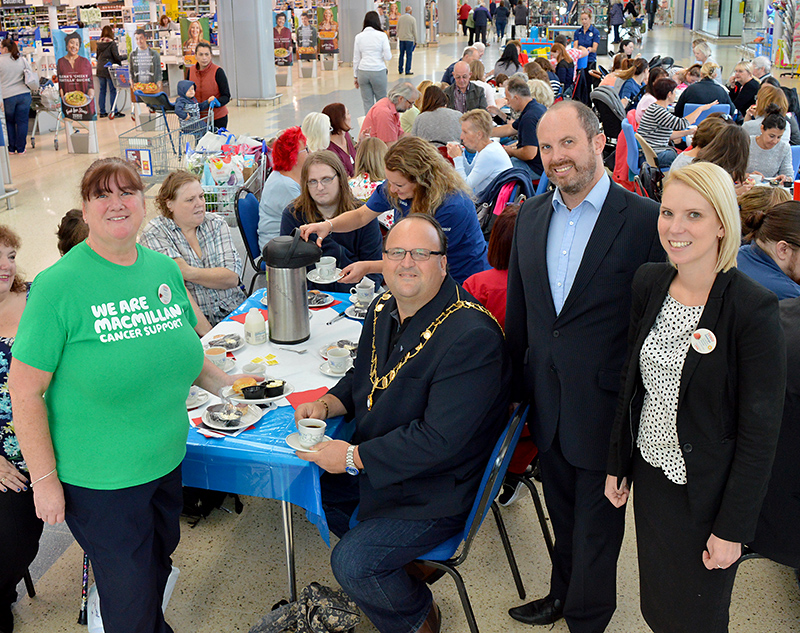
730	400
427	439
569	365
778	531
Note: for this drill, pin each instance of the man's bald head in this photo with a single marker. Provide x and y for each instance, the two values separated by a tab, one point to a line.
461	74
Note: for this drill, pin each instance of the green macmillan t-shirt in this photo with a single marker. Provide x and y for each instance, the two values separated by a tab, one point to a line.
120	343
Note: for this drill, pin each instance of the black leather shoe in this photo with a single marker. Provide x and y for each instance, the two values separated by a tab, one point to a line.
543	611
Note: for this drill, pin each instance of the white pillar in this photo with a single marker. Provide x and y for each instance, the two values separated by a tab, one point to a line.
448	17
418	11
246	47
350	22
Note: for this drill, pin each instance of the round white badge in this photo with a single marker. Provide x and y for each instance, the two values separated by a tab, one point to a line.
703	341
164	294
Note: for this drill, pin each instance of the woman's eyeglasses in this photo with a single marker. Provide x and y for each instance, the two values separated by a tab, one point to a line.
313	184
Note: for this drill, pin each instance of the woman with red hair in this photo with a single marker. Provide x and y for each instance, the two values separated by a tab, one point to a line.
341	141
289	152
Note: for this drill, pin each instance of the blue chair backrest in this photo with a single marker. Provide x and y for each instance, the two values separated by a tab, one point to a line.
583	62
543	182
247	216
724	108
494	474
795	160
633	148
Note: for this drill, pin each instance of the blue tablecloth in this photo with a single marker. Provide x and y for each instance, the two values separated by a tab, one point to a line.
259	462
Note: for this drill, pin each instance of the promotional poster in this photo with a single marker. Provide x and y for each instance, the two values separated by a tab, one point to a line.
306	38
328	24
282	38
193	31
75	75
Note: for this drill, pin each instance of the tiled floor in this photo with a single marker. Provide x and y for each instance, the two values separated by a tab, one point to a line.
231	566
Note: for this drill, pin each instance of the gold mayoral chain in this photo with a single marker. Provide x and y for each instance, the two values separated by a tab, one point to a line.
383	382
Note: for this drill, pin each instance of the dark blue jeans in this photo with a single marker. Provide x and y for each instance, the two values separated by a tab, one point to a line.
406	50
106	83
368	560
501	29
129	535
18	110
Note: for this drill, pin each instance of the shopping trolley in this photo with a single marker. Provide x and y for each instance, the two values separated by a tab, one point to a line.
121	78
46	100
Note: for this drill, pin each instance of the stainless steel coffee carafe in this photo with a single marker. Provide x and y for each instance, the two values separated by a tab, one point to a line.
287	299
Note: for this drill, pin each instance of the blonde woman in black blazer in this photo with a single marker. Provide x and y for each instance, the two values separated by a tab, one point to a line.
700	409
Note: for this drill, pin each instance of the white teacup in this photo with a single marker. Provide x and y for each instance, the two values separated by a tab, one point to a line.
326	267
756	178
364	291
311	431
254	369
217	355
339	360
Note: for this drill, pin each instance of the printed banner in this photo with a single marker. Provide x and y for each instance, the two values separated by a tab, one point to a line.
193	31
394	15
75	75
282	38
328	22
307	39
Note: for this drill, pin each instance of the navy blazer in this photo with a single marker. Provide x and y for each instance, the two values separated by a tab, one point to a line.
569	364
730	400
427	439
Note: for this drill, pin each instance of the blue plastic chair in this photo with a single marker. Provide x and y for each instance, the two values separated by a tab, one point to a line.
583	62
246	210
795	160
543	182
633	150
444	556
724	108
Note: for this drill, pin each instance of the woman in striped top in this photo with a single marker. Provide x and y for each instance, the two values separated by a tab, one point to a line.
659	126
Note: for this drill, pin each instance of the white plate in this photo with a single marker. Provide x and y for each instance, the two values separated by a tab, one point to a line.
313	277
211	343
197	397
228	365
324	299
294	441
229	393
252	416
351	312
326	369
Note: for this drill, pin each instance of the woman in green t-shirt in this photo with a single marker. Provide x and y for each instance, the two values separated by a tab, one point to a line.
107	336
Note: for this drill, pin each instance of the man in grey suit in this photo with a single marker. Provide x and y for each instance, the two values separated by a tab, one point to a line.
573	258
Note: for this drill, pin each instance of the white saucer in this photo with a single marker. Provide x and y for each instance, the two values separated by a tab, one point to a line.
294	441
351	312
229	393
252	416
228	365
197	397
264	300
354	301
324	299
325	368
314	278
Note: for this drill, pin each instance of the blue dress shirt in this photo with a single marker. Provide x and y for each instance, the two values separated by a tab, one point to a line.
568	236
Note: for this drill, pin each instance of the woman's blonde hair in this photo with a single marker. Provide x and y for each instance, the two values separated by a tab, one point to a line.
369	158
421	87
768	94
744	65
759	199
716	186
10	239
708	70
476	70
305	207
542	91
316	128
419	162
480	120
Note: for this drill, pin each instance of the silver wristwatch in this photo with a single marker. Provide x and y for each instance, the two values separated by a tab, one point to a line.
350	462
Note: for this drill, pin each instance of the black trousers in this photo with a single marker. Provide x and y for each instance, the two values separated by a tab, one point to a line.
221	122
20	530
480	33
588	535
129	535
464	26
670	545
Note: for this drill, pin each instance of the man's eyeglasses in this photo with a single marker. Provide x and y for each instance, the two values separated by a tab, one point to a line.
417	254
313	184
